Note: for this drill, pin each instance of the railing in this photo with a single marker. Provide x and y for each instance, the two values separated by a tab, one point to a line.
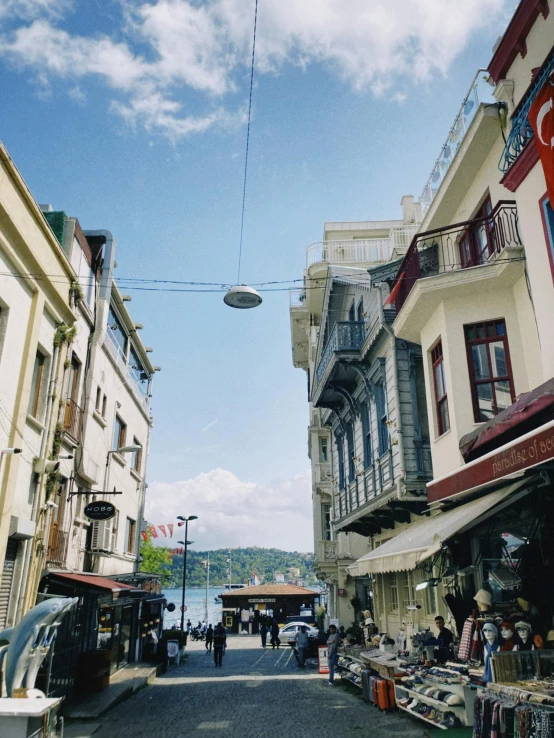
459	246
479	91
521	132
57	547
121	360
347	335
360	250
297	296
73	420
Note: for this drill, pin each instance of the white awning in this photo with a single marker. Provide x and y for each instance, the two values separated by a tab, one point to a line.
421	541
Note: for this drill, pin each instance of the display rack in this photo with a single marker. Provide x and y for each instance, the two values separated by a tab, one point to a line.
354	676
463	712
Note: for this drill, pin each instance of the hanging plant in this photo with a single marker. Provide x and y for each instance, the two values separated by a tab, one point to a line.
64	334
75	293
56	442
50	486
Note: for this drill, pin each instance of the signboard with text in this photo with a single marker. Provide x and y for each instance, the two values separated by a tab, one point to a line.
100	510
322	660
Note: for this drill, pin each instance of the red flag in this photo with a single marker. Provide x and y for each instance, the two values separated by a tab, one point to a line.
392	297
163	530
153	532
181	523
170	529
541	119
144	534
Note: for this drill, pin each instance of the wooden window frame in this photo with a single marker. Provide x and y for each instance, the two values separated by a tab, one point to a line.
136	459
394	592
130	535
437	360
474	383
122	434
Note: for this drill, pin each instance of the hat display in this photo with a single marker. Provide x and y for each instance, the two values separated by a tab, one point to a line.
550	636
492	627
508	626
366	614
483	596
523	624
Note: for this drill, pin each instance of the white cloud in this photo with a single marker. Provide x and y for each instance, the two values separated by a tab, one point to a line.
204	47
209	425
234	513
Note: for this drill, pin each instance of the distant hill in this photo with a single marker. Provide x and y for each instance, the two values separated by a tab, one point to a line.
264	561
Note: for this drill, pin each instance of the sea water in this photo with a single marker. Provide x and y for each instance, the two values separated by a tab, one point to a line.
195	601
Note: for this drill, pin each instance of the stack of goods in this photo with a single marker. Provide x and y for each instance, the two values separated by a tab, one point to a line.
505	712
435	694
350	669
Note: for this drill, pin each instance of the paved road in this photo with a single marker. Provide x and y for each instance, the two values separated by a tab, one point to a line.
256	693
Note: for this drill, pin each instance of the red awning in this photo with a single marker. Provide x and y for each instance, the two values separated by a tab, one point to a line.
529	411
93	581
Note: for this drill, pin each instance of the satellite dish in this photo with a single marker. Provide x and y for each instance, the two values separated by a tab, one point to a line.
242	297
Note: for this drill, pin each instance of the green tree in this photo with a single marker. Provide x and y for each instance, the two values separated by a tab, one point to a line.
155	561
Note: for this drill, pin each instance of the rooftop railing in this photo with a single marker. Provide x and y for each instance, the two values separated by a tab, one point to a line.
462	245
479	92
347	335
121	360
297	296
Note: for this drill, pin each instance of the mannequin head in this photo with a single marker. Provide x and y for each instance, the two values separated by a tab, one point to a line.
507	630
524	631
490	632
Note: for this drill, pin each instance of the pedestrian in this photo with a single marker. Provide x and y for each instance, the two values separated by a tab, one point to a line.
332	655
189	626
209	637
203	627
219	641
263	633
342	633
302	643
275	634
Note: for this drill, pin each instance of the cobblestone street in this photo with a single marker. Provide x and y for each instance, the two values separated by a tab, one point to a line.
255	693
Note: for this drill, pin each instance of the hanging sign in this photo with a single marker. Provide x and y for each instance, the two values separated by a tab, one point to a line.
541	119
100	510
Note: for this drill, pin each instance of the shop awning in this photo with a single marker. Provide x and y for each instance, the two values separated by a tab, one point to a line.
420	541
530	410
94	581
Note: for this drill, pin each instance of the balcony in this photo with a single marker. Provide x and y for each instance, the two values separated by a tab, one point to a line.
479	92
57	547
297	297
472	243
73	420
363	251
347	335
138	388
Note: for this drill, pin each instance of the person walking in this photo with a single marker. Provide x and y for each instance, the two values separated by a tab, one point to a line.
209	638
332	654
219	641
275	634
302	643
263	633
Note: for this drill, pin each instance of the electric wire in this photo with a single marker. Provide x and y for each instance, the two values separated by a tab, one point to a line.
247	138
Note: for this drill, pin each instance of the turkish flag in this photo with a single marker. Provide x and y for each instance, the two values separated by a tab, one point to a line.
163	530
170	529
541	119
391	299
153	532
144	534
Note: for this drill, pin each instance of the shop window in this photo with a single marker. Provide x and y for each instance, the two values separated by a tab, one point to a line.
366	432
323	450
130	534
119	434
136	457
37	384
326	521
441	397
393	592
477	242
547	214
490	369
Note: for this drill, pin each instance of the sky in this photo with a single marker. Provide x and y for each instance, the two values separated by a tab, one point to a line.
131	116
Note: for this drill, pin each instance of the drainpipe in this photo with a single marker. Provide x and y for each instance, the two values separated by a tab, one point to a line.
52	382
143	487
396	390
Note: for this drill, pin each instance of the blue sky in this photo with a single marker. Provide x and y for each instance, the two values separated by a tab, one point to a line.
131	117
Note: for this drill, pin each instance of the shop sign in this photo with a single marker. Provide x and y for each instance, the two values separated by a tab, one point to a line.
100	510
531	450
228	621
322	660
341	592
262	599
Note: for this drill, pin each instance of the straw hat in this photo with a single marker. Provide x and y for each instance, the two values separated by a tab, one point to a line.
484	597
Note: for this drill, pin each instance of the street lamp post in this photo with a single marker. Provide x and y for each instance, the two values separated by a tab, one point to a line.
186	543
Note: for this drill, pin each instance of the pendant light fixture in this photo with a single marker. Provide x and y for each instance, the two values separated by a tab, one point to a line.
241	296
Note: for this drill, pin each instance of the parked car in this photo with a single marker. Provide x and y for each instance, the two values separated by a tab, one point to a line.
288	633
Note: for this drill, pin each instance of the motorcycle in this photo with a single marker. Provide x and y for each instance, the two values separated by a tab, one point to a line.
197	635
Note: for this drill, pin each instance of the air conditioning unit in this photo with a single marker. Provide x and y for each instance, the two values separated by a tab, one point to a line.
101	538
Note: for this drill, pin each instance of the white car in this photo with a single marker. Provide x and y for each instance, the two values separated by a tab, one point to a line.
287	634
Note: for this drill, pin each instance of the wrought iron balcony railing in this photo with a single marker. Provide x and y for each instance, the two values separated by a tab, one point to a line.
347	335
458	246
478	92
521	132
73	420
57	547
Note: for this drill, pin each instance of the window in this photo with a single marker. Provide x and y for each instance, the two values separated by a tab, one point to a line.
326	521
548	223
366	431
441	398
130	529
431	600
98	402
490	371
36	385
407	589
360	311
136	458
104	403
115	526
323	450
393	592
116	331
477	242
120	433
382	419
340	457
351	454
352	313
